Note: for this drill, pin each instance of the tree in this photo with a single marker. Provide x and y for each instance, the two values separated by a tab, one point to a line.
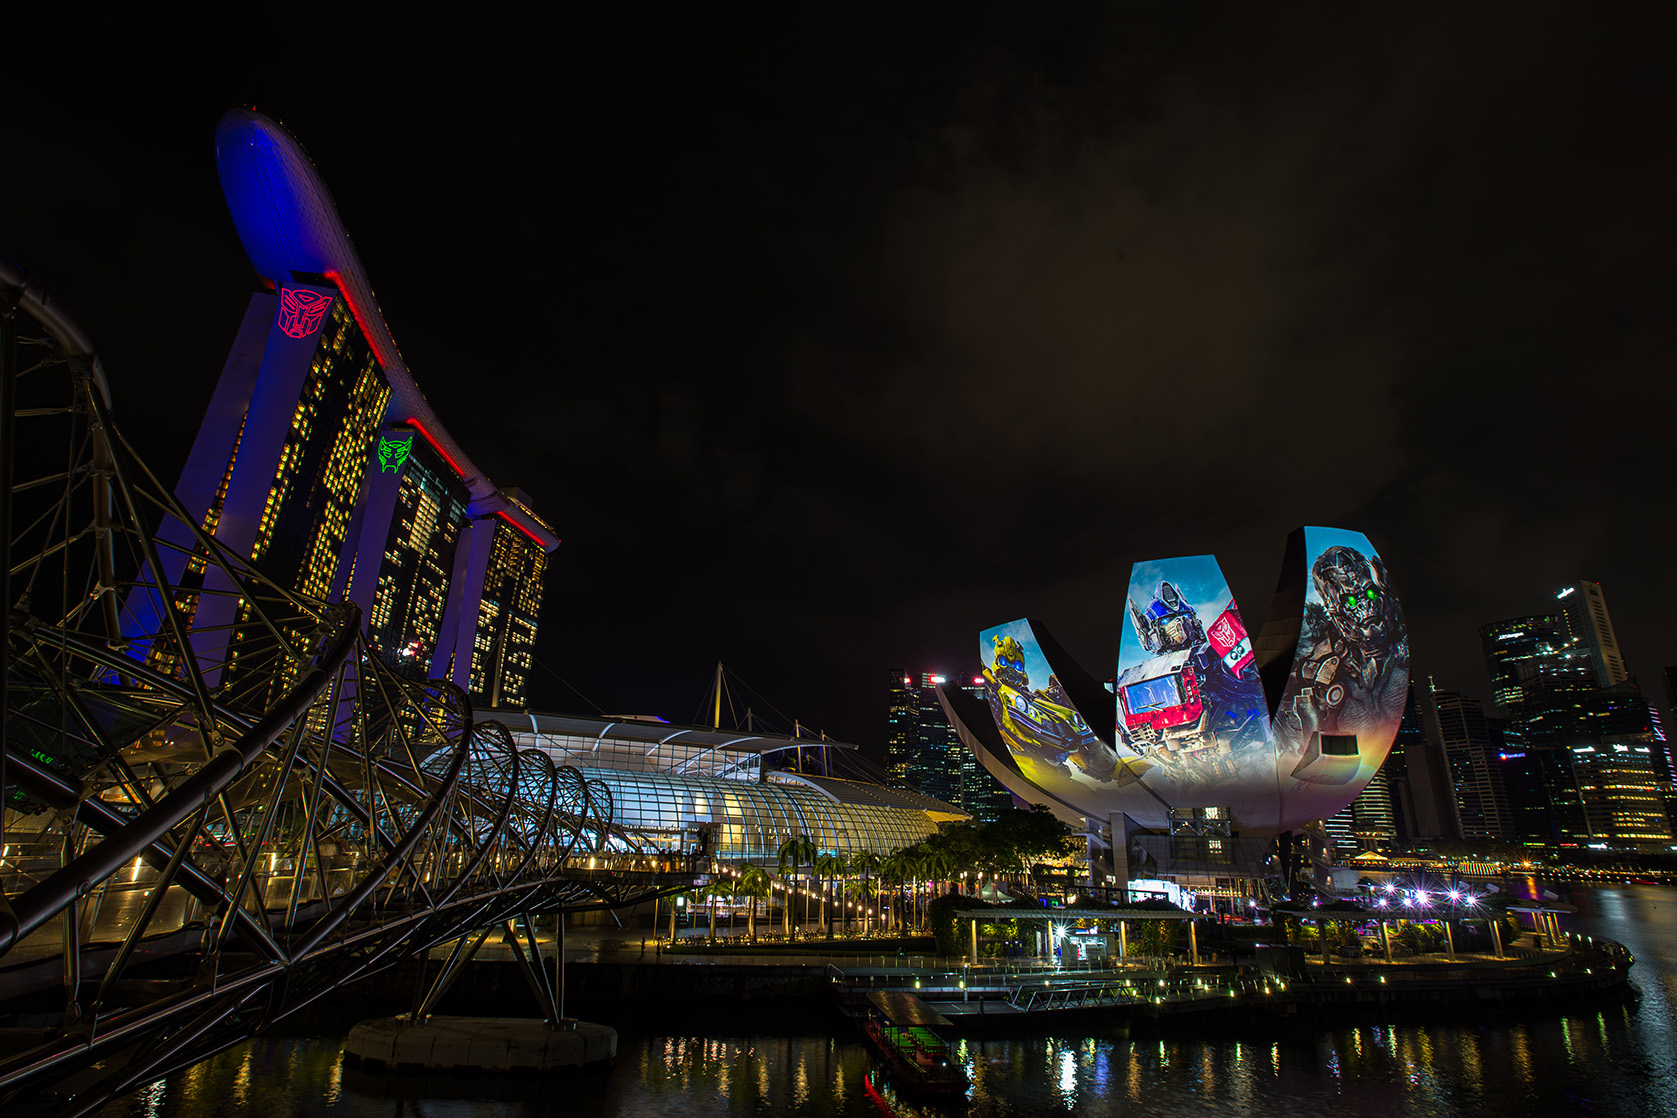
932	861
754	882
1157	936
866	863
914	872
830	867
940	917
720	887
795	853
895	868
1018	838
939	864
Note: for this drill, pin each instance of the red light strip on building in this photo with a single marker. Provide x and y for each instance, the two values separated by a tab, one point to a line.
502	513
438	447
360	321
537	540
373	339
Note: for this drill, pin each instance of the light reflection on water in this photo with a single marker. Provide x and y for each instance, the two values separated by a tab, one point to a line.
1617	1060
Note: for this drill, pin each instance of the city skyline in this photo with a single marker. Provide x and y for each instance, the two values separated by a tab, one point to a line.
1086	558
792	330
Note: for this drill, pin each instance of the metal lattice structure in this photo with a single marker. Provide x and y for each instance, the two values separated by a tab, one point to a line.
190	850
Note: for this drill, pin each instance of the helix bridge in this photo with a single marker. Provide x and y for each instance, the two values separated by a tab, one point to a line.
198	844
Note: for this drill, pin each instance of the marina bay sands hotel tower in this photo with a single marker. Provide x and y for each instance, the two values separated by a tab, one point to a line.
321	460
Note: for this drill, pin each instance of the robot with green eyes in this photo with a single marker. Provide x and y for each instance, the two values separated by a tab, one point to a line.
1355	677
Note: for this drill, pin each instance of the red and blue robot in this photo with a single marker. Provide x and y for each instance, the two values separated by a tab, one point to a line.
1195	705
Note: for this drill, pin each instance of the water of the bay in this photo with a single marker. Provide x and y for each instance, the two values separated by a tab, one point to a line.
1610	1060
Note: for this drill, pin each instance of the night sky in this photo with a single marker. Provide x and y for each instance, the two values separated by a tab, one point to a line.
826	344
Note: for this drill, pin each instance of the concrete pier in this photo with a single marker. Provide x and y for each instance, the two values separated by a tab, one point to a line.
464	1044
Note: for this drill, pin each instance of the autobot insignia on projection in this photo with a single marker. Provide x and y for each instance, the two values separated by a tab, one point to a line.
300	311
393	452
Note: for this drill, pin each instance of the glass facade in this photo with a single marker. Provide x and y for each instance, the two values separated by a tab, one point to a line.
1527	655
1585	610
1367	822
1538	755
1471	751
669	755
743	820
901	721
923	753
1618	784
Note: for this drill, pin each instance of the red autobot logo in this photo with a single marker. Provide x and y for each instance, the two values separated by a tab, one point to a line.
301	311
1228	638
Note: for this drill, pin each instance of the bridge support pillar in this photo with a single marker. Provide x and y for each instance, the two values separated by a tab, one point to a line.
453	967
72	941
559	963
534	973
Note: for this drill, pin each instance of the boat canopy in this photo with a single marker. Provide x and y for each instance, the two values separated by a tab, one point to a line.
905	1010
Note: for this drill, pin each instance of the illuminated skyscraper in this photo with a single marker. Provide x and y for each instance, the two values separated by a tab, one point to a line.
1528	654
510	598
320	460
1367	822
1562	682
418	564
1618	787
902	719
1418	773
1464	738
923	753
1586	616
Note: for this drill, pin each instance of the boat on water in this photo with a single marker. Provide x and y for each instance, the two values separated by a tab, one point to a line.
900	1028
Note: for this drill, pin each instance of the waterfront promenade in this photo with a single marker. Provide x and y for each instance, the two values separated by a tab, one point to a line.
611	967
702	1056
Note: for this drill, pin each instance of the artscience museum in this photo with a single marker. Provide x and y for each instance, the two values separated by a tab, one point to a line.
1211	741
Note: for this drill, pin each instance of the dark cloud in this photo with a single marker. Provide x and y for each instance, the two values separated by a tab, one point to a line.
826	343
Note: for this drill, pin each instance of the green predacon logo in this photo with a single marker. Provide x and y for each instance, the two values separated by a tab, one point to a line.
393	452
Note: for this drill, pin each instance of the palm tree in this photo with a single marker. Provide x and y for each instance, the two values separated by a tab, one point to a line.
795	852
914	869
900	868
939	864
866	862
831	867
868	890
754	883
721	887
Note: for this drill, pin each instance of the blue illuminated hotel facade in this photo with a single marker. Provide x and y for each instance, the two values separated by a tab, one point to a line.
320	459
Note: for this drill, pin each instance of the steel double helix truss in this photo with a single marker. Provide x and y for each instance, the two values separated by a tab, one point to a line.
197	844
